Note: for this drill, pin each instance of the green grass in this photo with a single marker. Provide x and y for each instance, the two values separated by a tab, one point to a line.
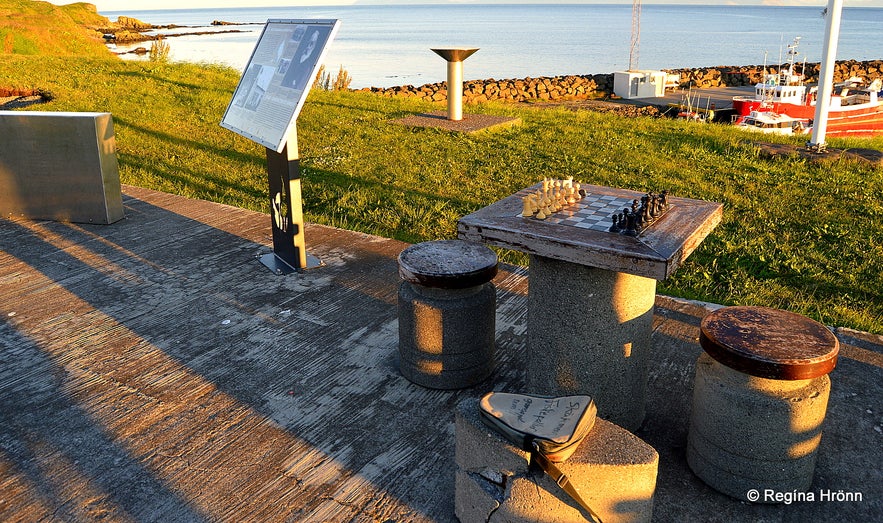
796	235
39	28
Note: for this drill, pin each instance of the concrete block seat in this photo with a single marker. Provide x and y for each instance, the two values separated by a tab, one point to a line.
759	399
447	313
614	471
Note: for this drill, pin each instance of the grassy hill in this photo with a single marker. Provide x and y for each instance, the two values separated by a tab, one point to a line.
39	28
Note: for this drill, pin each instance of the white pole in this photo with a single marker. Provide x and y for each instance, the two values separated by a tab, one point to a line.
455	90
826	75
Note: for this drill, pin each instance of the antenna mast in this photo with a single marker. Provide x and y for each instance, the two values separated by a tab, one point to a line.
636	35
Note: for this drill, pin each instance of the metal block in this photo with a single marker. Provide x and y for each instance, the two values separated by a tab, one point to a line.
59	166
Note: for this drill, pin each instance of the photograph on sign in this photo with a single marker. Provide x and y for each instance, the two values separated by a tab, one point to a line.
277	79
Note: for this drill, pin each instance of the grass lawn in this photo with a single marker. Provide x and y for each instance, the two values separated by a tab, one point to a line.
796	235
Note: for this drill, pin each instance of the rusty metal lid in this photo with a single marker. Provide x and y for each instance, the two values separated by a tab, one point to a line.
455	54
769	343
448	264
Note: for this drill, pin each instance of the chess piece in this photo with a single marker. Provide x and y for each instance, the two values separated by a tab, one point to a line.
527	209
615	227
631	225
654	205
541	213
663	200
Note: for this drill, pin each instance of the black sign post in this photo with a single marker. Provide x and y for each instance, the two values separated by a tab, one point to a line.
264	109
289	246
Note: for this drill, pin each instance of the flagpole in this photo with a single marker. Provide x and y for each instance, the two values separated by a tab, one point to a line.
826	76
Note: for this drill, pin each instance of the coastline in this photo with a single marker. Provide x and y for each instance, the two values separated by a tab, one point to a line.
387	46
127	31
592	86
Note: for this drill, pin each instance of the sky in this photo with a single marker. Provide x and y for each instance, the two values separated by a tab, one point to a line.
139	5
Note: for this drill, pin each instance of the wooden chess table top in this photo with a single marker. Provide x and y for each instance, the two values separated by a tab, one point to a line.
656	253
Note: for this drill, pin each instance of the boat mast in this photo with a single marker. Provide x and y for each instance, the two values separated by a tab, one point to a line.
826	76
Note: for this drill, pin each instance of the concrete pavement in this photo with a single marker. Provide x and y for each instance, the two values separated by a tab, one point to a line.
154	370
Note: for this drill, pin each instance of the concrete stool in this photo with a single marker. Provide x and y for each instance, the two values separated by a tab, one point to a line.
447	313
613	469
759	400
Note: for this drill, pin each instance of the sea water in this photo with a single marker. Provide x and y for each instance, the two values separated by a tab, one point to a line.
386	45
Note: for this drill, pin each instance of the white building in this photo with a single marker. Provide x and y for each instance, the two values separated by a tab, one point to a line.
642	84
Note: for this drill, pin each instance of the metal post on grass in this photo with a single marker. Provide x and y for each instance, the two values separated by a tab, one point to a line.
455	57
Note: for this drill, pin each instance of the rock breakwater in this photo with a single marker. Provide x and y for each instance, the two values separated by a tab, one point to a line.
581	87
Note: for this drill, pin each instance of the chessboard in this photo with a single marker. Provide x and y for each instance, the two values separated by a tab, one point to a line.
592	211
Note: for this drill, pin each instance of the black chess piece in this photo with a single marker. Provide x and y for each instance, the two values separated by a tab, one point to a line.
635	205
641	223
631	226
616	226
654	205
663	200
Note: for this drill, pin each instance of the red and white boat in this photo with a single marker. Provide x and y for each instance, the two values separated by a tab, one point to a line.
773	123
856	109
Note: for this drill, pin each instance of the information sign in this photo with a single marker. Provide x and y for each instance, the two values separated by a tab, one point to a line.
278	79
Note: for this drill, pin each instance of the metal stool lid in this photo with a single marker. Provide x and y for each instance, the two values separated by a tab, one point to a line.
769	343
448	264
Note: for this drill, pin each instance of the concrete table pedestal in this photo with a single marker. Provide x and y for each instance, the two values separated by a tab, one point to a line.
759	400
592	327
614	471
591	293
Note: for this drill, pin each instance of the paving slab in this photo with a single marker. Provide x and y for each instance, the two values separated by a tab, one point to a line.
470	124
155	370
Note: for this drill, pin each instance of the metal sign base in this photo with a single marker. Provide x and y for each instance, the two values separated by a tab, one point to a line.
280	267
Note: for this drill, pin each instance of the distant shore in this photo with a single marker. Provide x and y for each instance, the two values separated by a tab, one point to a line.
127	30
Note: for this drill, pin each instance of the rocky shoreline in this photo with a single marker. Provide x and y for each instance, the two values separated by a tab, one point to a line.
582	87
128	30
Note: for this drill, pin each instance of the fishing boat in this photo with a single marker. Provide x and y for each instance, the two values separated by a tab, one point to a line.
856	108
773	123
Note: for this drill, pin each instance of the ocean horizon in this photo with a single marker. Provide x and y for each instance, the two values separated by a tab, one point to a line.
388	45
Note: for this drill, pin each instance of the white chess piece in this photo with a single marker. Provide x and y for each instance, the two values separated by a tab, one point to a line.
527	208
